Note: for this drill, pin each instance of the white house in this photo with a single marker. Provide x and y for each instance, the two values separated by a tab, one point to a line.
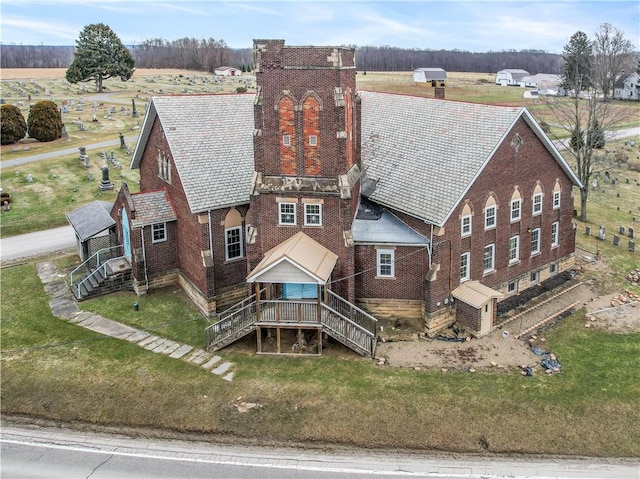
510	77
435	76
627	88
227	72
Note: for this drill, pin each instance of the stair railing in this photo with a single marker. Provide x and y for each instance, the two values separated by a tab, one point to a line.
84	266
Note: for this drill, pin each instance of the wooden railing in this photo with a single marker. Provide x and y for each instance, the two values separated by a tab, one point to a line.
340	319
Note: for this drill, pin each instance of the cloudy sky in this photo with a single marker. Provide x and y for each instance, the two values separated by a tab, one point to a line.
472	25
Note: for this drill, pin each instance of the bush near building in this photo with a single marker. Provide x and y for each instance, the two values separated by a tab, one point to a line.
14	126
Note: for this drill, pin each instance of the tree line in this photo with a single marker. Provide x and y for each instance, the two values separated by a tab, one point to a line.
208	54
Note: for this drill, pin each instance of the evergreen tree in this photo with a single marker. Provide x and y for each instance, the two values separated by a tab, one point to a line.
99	55
578	63
14	126
44	122
596	135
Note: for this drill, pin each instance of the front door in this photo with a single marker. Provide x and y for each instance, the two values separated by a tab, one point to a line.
126	235
299	291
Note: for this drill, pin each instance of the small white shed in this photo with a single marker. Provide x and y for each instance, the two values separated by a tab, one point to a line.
435	76
227	72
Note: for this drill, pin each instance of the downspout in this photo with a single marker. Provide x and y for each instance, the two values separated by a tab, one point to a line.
144	259
210	237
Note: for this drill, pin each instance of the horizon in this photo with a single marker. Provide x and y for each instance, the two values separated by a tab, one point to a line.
478	26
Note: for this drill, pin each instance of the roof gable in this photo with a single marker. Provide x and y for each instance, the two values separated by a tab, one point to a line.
211	143
151	208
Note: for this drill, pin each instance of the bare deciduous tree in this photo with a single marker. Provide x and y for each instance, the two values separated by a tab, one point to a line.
610	53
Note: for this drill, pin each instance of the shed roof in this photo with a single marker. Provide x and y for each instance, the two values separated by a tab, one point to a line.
475	293
152	207
211	142
91	219
301	251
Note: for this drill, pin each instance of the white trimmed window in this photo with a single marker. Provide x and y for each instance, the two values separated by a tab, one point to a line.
535	241
233	242
514	249
385	259
312	214
490	217
465	225
537	204
556	199
286	140
553	268
512	287
516	207
534	277
555	228
287	213
158	232
489	261
464	266
313	140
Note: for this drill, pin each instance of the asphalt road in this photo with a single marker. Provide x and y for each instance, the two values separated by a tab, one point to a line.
37	243
48	452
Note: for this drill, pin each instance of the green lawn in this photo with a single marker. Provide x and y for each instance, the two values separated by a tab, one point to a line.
56	370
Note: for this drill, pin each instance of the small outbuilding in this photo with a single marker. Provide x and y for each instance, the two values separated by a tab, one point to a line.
510	76
227	72
435	76
94	228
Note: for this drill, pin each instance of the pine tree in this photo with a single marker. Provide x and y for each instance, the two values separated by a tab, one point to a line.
578	63
99	55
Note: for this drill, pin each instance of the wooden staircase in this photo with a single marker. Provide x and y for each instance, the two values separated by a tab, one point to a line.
338	318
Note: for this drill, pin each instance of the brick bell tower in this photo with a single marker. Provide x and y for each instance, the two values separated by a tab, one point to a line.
307	158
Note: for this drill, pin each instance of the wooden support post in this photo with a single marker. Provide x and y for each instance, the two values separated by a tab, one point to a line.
318	307
257	287
278	340
259	339
319	335
299	312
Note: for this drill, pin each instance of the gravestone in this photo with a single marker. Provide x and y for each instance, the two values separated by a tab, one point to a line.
29	178
89	176
616	240
123	146
83	151
105	184
628	181
85	161
632	246
601	235
622	230
614	182
594	185
632	233
587	231
606	177
135	112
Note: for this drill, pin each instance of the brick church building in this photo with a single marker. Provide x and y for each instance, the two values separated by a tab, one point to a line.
312	208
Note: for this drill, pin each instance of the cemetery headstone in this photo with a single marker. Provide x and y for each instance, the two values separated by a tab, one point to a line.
135	112
632	246
105	184
616	240
123	146
632	233
587	231
622	230
601	235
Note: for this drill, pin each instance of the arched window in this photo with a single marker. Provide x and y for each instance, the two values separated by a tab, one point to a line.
490	213
516	205
465	220
536	199
557	193
233	245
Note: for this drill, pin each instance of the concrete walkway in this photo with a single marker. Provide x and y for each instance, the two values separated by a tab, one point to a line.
63	305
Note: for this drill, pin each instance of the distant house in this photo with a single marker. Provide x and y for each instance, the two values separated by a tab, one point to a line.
435	76
627	88
227	72
510	77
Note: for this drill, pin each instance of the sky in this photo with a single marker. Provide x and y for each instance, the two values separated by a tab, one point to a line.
470	25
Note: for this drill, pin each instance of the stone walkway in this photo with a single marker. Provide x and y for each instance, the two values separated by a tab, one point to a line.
63	305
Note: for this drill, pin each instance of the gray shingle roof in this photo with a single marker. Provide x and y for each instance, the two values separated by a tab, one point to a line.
424	153
151	208
211	140
91	219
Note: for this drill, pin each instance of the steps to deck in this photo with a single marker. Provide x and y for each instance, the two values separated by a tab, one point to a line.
63	305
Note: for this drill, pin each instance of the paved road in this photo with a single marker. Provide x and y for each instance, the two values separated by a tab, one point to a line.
129	140
54	452
37	243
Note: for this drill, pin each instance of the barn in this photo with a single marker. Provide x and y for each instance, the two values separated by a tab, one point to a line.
510	76
435	76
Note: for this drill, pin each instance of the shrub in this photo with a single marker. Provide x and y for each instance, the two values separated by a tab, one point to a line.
241	89
44	122
14	127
